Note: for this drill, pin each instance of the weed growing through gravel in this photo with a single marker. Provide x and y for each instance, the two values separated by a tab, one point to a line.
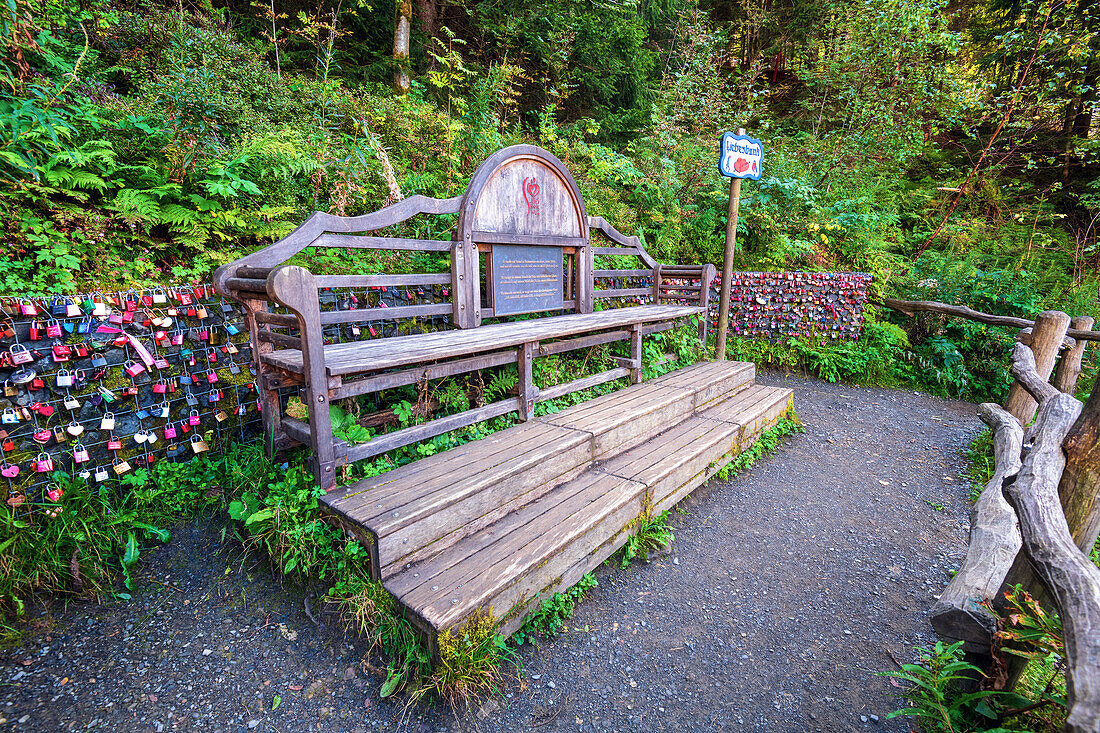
472	660
551	616
648	534
787	424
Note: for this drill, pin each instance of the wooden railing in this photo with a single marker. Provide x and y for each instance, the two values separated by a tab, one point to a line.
1043	499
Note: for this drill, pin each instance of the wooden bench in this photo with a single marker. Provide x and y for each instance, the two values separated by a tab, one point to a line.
497	525
522	245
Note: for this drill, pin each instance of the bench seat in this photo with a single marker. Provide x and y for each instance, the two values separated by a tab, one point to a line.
358	357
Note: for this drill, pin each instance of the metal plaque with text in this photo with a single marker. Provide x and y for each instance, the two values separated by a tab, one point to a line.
526	278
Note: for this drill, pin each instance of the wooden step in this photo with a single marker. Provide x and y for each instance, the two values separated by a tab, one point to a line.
674	463
418	510
506	569
621	419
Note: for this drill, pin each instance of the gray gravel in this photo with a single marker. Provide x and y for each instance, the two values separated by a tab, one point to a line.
788	588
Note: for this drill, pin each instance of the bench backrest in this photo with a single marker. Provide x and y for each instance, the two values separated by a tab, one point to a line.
523	244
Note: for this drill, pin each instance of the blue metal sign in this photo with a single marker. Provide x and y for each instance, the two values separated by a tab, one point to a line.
741	157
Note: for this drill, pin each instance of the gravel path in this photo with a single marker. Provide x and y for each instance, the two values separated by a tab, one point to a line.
788	588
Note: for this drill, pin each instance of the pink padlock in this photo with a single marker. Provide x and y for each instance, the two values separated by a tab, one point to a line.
134	369
193	418
53	328
160	387
28	309
177	338
212	377
80	454
43	464
169	431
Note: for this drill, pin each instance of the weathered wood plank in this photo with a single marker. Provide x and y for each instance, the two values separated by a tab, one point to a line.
576	385
622	293
377	496
543	545
582	342
436	370
416	433
427	572
960	613
383	280
471	506
358	241
360	356
379	314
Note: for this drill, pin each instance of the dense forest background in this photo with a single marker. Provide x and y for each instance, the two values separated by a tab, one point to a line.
949	148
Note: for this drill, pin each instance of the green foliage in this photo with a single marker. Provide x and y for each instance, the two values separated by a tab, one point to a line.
549	619
768	441
82	541
934	696
648	534
979	457
878	358
345	427
471	662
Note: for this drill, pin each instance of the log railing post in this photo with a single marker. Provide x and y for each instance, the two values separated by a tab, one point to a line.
1069	366
1046	338
1079	489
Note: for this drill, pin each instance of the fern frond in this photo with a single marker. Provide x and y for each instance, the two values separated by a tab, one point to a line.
136	207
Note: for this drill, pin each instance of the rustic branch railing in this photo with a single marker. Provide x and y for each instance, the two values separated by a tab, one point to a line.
909	307
1053	492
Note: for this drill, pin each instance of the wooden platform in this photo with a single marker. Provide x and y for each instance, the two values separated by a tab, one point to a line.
499	524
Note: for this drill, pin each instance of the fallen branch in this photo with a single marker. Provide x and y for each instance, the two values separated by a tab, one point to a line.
961	613
909	307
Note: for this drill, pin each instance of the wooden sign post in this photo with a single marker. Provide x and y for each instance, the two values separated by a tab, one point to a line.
740	157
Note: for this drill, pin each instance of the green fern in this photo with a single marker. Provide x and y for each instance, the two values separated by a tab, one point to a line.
136	207
499	385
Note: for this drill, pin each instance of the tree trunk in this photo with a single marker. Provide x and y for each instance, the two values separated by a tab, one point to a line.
1072	580
1082	121
401	47
427	12
959	613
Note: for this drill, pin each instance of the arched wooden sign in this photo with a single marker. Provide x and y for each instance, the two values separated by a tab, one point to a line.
523	210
